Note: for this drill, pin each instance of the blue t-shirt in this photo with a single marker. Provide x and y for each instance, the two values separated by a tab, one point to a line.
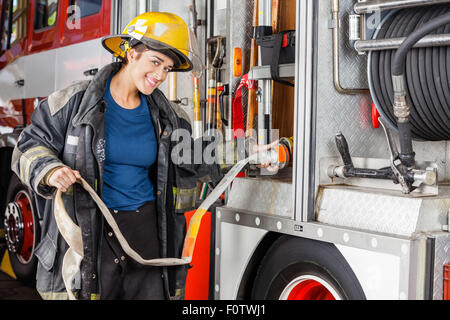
130	150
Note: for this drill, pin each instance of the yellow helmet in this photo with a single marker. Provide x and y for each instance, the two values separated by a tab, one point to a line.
160	31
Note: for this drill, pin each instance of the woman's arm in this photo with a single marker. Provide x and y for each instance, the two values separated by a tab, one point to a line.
39	148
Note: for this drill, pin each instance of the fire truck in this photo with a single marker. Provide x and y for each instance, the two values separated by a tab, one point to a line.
362	209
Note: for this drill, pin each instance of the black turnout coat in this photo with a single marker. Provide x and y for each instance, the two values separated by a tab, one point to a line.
68	129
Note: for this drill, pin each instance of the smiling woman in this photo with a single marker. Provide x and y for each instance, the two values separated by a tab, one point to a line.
115	131
152	45
144	70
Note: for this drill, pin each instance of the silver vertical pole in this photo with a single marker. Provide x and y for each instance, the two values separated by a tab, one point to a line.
265	89
141	6
152	5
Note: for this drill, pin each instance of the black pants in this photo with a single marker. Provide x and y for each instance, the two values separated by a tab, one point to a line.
120	276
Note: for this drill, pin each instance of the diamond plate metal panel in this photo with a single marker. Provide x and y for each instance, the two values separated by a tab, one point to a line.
349	114
240	31
259	195
380	211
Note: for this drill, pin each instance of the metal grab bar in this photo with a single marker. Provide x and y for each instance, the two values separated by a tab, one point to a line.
380	5
435	40
336	30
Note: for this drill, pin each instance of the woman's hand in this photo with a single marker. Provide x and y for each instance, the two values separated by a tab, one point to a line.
265	147
62	178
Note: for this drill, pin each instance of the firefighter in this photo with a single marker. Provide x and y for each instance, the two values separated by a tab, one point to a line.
115	132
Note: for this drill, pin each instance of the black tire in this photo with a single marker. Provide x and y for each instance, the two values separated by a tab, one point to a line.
25	271
291	258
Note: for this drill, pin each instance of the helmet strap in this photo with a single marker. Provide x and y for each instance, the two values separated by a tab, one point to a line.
126	46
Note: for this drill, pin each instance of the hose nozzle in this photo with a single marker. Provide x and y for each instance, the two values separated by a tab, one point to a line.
279	155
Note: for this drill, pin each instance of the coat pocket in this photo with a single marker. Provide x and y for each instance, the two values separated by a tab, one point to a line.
46	252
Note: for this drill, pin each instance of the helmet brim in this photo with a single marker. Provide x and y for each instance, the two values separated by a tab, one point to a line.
114	44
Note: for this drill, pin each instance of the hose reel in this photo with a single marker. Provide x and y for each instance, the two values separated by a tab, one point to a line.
426	73
410	88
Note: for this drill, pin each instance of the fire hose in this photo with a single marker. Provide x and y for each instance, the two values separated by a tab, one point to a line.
416	81
424	71
72	232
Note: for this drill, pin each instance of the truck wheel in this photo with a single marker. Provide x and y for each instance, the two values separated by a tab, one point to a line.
303	269
22	230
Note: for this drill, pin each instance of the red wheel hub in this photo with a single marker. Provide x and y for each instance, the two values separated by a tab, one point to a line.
309	287
310	290
19	225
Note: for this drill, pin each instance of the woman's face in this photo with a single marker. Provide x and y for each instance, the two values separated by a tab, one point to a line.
148	69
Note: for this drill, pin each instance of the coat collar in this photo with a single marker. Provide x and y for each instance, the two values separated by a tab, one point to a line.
94	92
96	89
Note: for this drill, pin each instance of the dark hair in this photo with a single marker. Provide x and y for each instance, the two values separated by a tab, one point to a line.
139	48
